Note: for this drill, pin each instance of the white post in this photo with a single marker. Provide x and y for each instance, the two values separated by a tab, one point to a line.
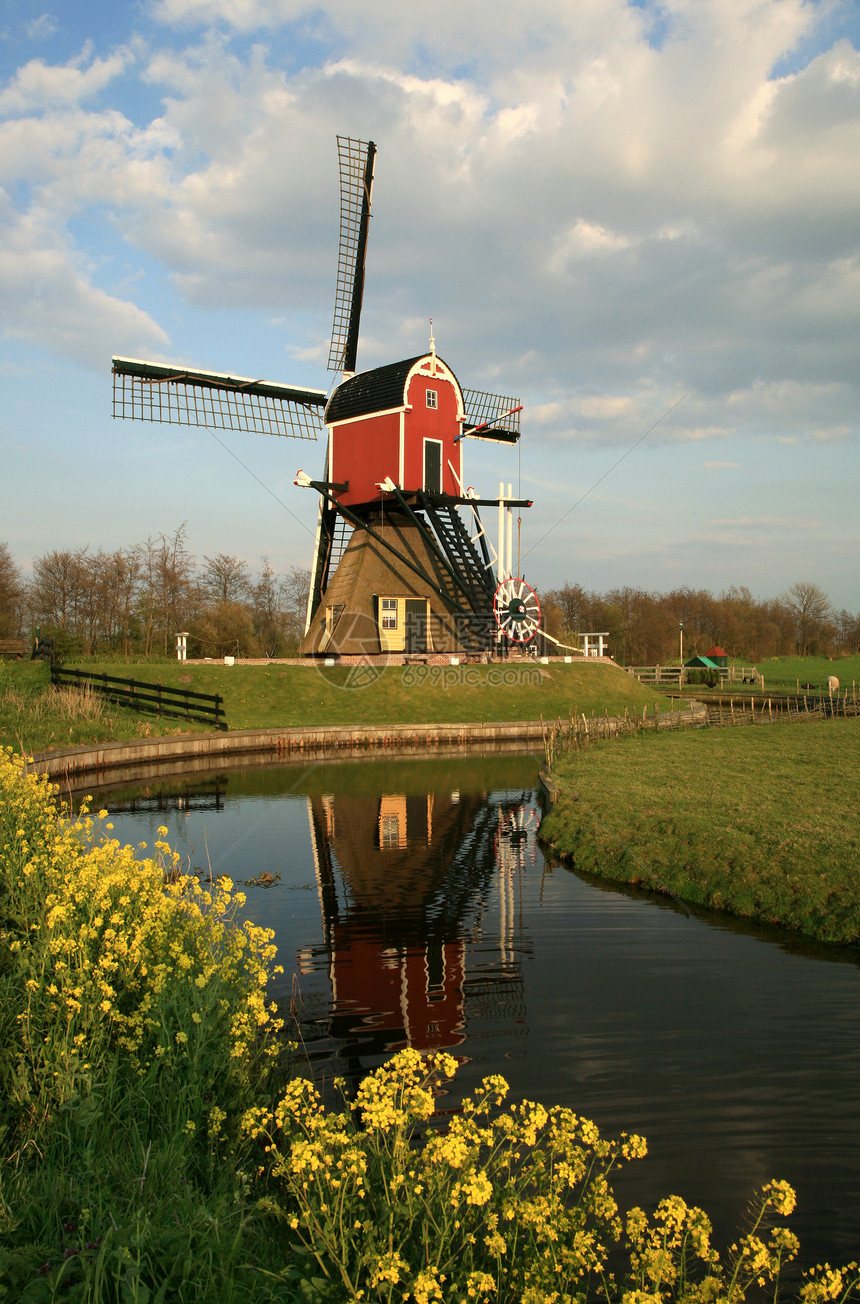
181	645
502	572
509	567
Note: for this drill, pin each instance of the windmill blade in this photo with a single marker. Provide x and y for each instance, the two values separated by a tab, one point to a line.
491	416
150	391
356	159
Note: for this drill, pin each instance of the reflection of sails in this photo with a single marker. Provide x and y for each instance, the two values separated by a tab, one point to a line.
404	884
205	795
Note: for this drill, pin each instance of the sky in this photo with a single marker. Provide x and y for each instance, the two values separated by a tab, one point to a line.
643	219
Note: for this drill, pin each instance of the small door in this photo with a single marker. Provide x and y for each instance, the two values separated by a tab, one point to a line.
432	466
416	625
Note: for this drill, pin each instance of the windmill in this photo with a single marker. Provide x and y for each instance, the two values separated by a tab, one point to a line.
402	561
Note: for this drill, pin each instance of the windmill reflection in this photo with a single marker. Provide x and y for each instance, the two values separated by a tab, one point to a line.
410	887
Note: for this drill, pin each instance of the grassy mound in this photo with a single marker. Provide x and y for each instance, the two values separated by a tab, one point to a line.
283	696
761	822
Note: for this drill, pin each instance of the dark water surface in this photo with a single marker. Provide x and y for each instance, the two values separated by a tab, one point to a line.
413	905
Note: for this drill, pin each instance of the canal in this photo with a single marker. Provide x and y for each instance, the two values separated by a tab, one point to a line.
413	905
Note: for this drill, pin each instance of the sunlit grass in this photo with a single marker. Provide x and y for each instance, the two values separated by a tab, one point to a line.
34	717
786	673
760	821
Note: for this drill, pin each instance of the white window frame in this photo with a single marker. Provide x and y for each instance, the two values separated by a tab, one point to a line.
388	613
432	398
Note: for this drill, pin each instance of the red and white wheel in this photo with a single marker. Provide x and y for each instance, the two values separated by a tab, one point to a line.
517	610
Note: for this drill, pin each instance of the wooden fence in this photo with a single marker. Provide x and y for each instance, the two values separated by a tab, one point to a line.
155	699
657	674
679	674
577	731
765	710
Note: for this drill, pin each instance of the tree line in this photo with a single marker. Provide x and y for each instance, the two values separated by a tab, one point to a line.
134	601
645	628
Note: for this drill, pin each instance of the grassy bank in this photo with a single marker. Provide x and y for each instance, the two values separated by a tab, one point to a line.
761	822
282	696
785	673
153	1147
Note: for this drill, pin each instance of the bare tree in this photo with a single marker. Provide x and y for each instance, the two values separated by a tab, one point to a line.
295	587
12	594
812	613
268	609
168	597
848	631
59	592
118	583
225	579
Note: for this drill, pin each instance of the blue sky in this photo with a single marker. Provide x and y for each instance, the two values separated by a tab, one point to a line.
604	207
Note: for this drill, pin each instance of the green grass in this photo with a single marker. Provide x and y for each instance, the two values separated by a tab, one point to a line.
280	696
35	717
761	822
786	672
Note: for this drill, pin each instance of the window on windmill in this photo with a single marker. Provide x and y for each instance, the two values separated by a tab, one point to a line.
333	615
389	613
432	398
389	831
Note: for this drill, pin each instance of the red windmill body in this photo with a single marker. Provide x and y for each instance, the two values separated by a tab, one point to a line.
416	442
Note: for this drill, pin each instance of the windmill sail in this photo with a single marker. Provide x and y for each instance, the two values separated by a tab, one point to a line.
356	159
151	391
491	416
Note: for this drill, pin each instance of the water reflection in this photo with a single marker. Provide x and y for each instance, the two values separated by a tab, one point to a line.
404	882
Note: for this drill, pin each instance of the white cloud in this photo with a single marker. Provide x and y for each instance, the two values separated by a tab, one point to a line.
38	84
833	434
39	29
584	240
46	298
767	523
605	405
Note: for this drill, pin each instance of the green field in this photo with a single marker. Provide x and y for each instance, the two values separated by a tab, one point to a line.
761	822
785	673
281	696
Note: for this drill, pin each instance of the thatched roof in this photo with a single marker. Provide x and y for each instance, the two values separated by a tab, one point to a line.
367	571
